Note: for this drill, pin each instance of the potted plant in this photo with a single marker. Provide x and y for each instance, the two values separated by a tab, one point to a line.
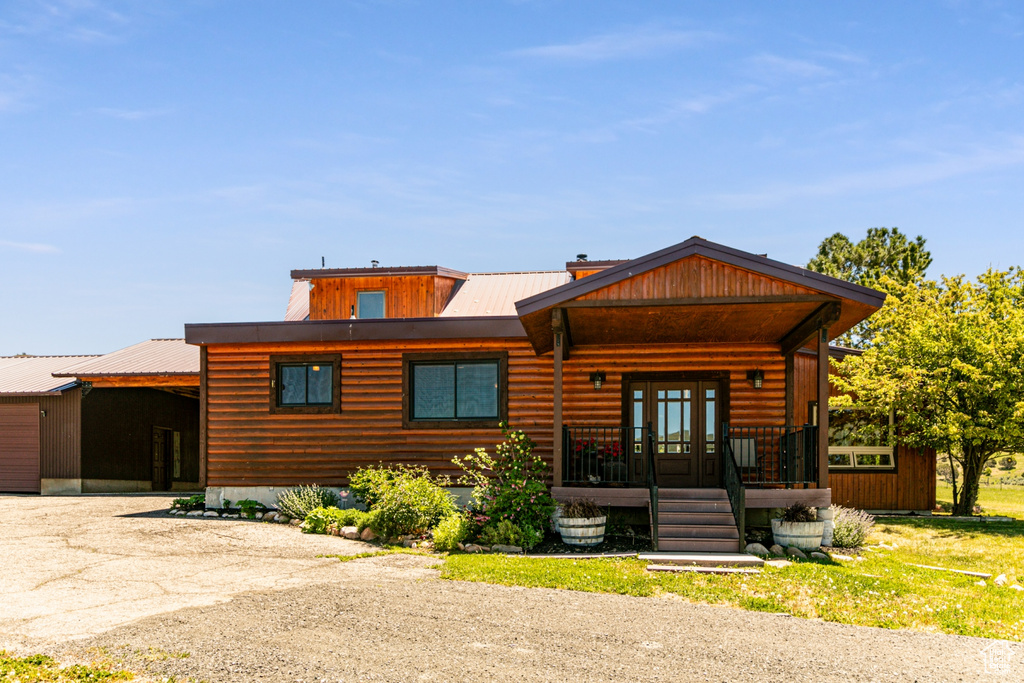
615	464
798	527
581	522
586	458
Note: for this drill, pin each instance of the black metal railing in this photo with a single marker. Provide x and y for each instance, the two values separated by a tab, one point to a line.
652	487
606	456
773	456
733	481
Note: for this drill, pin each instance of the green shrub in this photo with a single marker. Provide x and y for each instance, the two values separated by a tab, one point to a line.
249	508
450	532
412	503
367	484
196	502
1008	463
506	532
798	512
326	520
511	485
852	527
297	502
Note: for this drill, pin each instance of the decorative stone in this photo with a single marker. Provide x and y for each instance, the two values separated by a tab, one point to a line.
259	515
755	549
778	563
269	516
1017	587
194	513
1000	580
408	543
296	522
793	551
282	519
819	556
844	558
981	582
884	546
231	516
777	550
461	546
368	534
473	548
211	513
350	532
508	549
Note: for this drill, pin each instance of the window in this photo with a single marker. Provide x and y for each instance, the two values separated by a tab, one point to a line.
466	390
859	440
305	384
370	305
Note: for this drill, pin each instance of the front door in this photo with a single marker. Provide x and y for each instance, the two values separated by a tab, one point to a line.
160	459
685	419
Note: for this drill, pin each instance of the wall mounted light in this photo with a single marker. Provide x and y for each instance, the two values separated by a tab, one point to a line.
42	413
597	378
757	377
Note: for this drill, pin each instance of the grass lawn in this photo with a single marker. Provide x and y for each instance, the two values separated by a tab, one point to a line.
43	668
1007	501
882	590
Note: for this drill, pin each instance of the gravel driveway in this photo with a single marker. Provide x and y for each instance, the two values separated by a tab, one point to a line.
225	600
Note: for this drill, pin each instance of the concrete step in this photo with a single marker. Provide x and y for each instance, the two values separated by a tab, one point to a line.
693	506
693	494
702	559
698	532
702	545
696	518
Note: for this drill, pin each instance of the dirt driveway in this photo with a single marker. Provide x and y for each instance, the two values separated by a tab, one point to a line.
224	600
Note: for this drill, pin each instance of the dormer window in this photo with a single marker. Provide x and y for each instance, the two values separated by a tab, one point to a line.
370	304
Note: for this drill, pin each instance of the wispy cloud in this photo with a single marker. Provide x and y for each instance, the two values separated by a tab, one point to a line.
773	66
692	106
132	114
631	44
883	179
84	21
33	247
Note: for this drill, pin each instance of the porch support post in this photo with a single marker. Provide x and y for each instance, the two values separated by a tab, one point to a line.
823	391
558	330
790	389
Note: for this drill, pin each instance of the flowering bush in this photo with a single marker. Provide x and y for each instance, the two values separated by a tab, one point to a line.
509	486
852	527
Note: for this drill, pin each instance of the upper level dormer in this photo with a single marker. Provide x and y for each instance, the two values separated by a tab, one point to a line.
366	293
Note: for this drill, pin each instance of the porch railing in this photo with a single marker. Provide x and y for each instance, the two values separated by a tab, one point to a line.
733	481
772	456
605	456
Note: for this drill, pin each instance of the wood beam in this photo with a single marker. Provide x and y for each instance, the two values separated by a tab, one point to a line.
790	389
823	392
204	408
823	317
560	325
140	381
700	301
556	422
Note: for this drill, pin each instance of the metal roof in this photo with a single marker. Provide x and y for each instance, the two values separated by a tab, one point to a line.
487	294
391	271
33	375
298	302
152	357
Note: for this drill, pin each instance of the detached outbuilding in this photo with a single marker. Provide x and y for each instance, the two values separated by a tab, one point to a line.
126	421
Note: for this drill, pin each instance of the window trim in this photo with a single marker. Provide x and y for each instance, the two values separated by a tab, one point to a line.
411	359
384	308
306	359
854	451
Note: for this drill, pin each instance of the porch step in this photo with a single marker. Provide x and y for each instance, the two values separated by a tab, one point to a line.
702	559
702	531
699	545
696	520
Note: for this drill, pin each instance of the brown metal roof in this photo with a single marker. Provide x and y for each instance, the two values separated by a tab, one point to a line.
152	357
298	302
485	294
379	272
33	375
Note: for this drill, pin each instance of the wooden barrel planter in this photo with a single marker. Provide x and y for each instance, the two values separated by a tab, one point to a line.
582	531
802	535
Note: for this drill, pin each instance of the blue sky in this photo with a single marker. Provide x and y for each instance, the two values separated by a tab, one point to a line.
170	161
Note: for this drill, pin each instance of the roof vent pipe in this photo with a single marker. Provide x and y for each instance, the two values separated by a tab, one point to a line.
581	257
374	263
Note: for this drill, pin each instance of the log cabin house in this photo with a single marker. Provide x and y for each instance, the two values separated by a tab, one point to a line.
679	382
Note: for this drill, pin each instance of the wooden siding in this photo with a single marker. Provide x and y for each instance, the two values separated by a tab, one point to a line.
406	296
910	487
60	454
19	447
249	446
696	277
117	433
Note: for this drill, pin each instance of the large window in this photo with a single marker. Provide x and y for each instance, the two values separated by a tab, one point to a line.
455	390
306	384
860	440
370	305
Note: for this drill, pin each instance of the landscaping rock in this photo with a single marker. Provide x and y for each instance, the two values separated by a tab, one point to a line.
282	519
819	556
793	551
1000	580
981	582
368	534
844	558
211	513
507	549
231	516
409	543
777	550
269	516
296	522
755	549
778	563
195	513
461	546
350	532
473	548
1017	587
259	515
884	546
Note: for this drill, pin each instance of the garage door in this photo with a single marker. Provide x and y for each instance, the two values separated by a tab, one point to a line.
19	448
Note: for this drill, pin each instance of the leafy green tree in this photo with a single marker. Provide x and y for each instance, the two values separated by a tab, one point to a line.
949	357
884	254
